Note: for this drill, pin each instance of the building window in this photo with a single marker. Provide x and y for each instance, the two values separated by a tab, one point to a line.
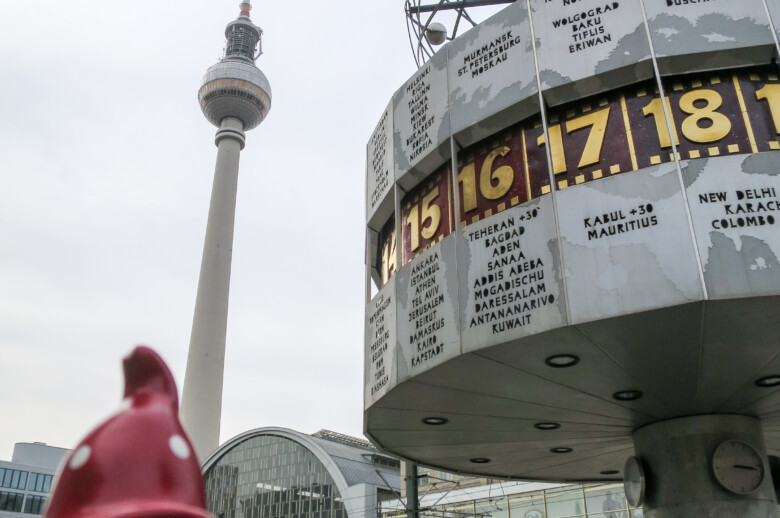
34	504
13	478
39	483
383	461
11	501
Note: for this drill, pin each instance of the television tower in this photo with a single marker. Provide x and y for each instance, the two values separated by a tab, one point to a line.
235	96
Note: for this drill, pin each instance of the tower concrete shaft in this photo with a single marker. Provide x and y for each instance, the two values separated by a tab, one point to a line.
234	96
201	405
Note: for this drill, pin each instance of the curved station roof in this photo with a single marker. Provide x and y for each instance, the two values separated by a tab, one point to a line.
557	256
295	467
348	463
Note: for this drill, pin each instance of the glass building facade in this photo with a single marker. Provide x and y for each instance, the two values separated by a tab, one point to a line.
272	477
30	481
275	475
27	480
604	500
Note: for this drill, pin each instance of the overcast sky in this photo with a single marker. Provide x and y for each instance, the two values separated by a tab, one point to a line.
106	166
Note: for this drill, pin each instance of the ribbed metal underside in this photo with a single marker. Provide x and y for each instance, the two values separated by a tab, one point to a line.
700	358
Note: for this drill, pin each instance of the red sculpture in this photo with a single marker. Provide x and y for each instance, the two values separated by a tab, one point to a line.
139	463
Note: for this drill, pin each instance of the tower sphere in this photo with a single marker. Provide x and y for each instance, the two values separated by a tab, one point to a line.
235	87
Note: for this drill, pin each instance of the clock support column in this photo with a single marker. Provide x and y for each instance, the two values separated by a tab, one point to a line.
677	458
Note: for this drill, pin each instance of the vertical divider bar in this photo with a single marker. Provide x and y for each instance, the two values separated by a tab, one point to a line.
525	165
455	225
676	154
629	135
543	113
367	252
457	231
672	131
773	26
399	231
366	340
745	116
398	263
369	265
585	500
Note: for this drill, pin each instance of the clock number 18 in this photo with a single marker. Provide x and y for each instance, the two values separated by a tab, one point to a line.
719	125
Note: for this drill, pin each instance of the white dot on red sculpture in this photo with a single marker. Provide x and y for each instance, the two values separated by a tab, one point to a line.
80	457
179	447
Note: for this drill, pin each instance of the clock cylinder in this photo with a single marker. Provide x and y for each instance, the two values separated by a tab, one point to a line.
678	459
572	217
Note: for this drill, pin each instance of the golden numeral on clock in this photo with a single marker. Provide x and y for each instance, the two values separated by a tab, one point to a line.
556	148
655	110
772	95
492	184
719	127
592	153
430	211
388	258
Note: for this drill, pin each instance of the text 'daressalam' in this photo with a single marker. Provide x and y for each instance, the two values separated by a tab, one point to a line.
509	282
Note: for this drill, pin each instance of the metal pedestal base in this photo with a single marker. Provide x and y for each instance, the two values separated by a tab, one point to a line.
680	483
